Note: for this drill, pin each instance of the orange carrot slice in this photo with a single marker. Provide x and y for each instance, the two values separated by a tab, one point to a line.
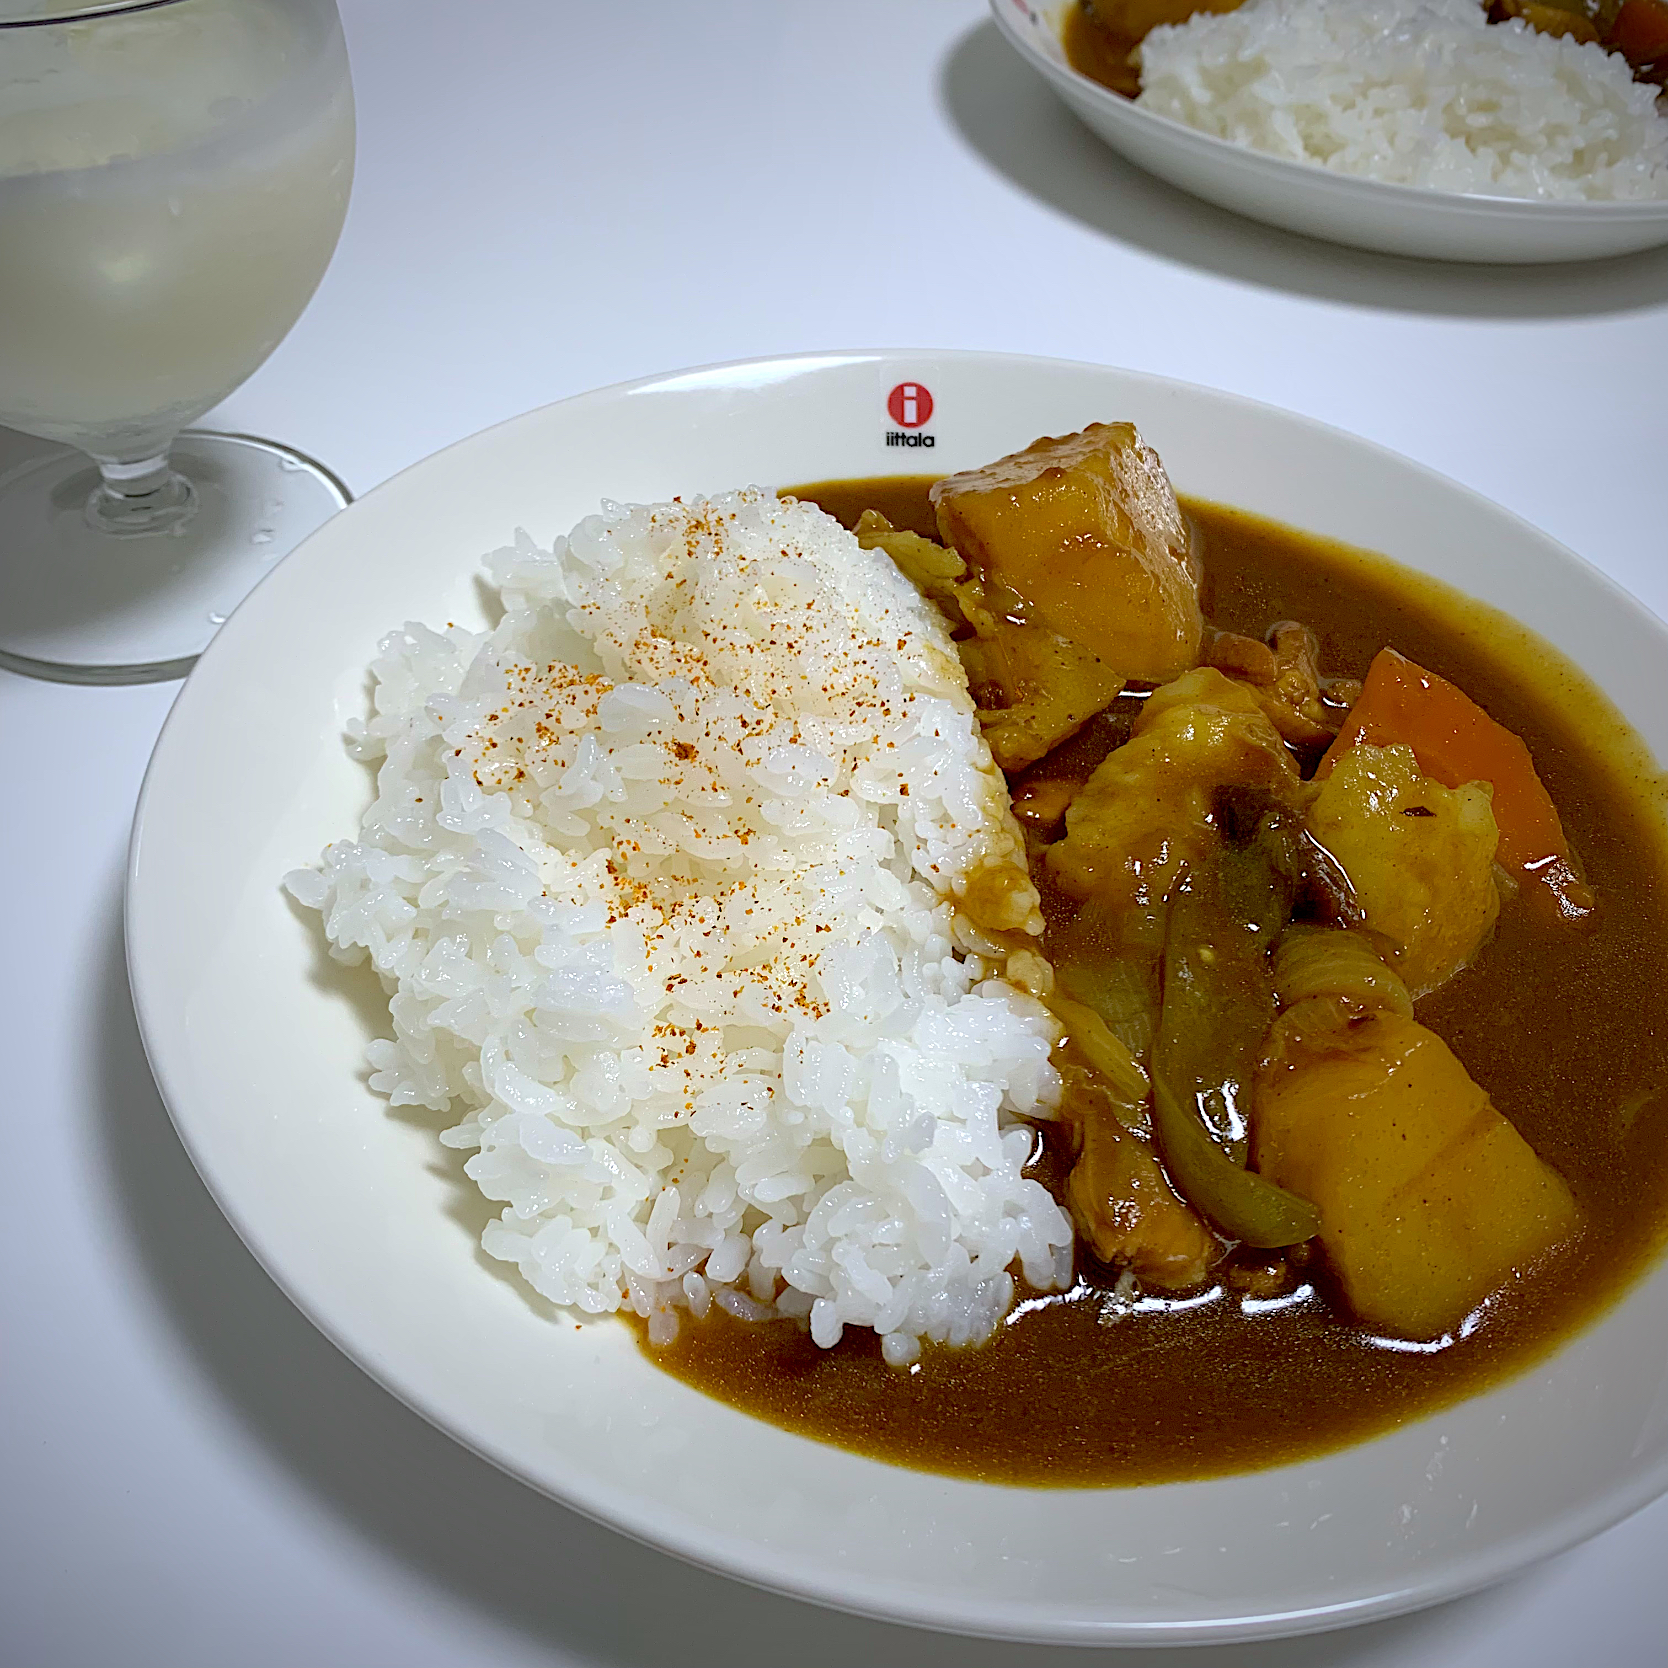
1455	742
1640	31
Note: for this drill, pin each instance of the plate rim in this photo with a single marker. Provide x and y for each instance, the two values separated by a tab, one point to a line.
718	1552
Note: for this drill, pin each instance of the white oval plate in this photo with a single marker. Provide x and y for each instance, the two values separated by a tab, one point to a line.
1396	219
363	1218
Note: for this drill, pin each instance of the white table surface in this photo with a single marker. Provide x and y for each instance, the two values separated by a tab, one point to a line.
552	195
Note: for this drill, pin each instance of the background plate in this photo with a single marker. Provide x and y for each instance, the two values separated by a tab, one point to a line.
257	1042
1398	219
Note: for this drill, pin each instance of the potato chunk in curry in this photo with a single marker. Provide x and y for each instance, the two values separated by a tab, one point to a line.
1045	686
1146	813
1418	859
1429	1199
1080	578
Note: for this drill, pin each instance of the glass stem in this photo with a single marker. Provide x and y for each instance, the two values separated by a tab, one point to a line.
140	496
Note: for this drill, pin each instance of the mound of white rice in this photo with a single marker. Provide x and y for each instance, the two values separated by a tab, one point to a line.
1414	92
692	884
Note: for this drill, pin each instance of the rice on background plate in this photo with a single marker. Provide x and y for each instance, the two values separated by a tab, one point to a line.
693	885
1414	92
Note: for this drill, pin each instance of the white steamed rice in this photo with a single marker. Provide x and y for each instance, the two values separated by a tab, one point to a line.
1414	92
665	879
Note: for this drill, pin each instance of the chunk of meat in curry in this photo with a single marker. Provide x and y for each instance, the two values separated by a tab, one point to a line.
1283	675
1147	813
1123	1203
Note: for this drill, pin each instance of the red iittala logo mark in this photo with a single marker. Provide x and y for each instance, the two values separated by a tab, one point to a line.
910	405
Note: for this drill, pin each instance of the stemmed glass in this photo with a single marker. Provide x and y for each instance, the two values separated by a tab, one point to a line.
173	178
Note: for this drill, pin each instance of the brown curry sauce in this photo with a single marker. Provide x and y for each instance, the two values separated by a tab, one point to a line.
1100	53
1567	1029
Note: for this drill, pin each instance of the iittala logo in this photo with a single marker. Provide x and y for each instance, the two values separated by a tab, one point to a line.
910	407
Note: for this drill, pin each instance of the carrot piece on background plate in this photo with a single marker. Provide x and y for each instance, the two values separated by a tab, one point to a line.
1640	32
1456	742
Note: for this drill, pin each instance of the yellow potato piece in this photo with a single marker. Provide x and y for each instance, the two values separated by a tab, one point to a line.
1086	533
1144	815
1429	1199
1034	687
1419	859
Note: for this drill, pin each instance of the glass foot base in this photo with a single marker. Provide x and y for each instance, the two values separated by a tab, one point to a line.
81	606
